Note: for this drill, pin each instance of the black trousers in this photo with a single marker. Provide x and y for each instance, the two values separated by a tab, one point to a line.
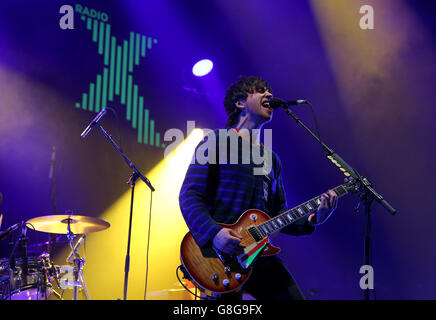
269	280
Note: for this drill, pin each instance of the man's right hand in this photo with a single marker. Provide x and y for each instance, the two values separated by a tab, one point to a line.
228	241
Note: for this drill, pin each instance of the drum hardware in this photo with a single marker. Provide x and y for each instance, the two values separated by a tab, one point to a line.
11	263
67	280
72	226
24	277
78	262
46	247
16	285
50	271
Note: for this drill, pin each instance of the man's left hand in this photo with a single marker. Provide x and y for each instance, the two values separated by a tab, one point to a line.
329	202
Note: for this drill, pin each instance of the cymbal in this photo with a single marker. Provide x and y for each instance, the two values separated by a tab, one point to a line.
59	224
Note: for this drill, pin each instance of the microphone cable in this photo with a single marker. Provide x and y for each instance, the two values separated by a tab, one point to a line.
186	288
118	125
315	120
148	245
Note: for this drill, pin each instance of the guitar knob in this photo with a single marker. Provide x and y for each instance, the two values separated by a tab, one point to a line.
226	282
215	277
238	276
227	270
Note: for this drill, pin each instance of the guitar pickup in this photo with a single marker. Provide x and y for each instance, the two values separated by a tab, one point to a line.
254	233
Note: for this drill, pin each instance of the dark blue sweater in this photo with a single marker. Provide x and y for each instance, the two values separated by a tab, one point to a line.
221	192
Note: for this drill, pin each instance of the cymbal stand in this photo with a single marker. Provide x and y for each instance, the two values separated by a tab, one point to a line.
78	262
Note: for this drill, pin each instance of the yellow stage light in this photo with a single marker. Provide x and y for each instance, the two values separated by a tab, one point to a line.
106	250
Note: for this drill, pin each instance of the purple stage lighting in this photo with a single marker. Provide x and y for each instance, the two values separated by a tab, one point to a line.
202	67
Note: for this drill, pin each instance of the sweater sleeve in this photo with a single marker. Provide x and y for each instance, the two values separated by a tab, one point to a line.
193	201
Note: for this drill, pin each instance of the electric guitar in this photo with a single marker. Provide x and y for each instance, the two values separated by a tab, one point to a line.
215	272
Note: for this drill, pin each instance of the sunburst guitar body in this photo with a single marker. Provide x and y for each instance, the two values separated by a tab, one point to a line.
219	273
216	273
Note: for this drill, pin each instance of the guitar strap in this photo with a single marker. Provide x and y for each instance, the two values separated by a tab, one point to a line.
251	253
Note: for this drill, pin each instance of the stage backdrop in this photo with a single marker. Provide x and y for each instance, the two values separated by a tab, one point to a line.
372	90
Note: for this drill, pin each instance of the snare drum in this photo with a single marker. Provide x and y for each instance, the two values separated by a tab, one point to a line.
15	285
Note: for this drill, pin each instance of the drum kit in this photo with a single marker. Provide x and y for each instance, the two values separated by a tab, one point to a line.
30	274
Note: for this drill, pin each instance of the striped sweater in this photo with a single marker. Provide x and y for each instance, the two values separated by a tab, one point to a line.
220	193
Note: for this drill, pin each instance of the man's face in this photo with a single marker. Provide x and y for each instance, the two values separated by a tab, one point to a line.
257	105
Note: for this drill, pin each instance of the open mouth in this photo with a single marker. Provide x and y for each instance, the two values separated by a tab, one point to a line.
265	104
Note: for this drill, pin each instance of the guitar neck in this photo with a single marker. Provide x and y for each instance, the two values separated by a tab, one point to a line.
290	216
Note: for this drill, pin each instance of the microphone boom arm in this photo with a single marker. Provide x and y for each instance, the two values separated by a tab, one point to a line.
367	193
365	185
129	163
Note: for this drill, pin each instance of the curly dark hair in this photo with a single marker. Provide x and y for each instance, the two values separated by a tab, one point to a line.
239	91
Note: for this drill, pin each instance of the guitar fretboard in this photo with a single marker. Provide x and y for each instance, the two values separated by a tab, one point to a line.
290	216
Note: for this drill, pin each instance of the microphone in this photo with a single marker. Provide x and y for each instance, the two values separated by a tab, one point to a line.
275	103
93	123
9	230
52	162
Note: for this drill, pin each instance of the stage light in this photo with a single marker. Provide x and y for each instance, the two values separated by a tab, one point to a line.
105	251
202	67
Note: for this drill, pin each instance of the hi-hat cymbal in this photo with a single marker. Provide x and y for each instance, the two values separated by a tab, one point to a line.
59	224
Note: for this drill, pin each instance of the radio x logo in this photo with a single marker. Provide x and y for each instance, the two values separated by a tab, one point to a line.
119	58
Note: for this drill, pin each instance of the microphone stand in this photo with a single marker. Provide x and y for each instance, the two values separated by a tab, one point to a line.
367	193
132	182
52	237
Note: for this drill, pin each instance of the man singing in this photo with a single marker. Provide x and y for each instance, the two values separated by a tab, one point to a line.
220	191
